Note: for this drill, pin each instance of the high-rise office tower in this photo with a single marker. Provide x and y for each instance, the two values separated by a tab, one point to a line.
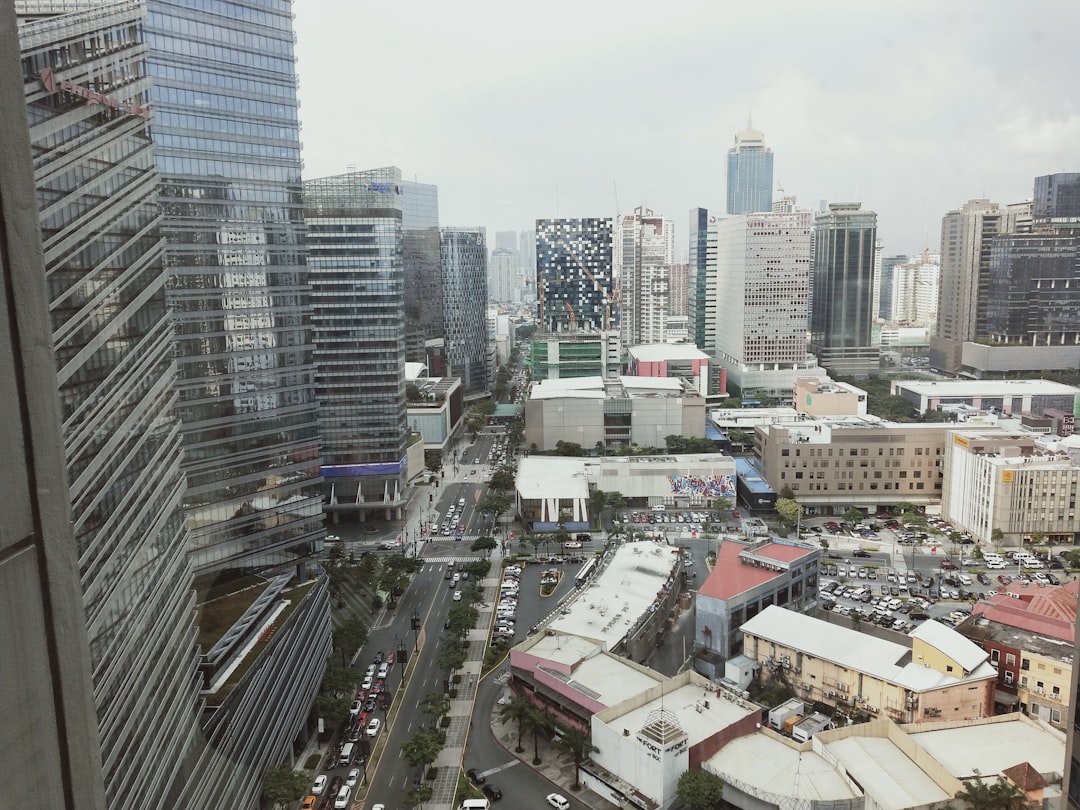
679	280
49	740
1057	200
966	234
698	302
885	299
749	173
85	89
464	260
642	253
226	131
424	323
842	316
762	270
575	284
357	279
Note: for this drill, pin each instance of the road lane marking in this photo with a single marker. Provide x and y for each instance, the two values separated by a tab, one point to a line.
502	767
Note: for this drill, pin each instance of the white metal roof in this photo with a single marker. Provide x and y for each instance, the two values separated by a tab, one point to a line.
659	352
959	648
552	477
990	748
891	778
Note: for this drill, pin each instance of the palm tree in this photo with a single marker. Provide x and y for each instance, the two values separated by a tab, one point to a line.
539	722
578	744
518	710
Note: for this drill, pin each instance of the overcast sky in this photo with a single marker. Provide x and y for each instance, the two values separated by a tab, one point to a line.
525	110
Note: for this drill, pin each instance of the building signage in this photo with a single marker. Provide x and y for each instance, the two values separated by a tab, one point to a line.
382	188
1068	425
51	83
961	440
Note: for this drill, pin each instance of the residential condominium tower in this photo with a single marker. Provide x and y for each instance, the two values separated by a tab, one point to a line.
575	284
357	278
464	261
85	92
749	173
643	252
762	270
842	314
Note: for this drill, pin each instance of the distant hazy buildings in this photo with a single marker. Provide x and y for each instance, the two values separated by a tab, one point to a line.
575	281
503	276
842	314
749	173
762	268
465	279
885	282
355	243
914	286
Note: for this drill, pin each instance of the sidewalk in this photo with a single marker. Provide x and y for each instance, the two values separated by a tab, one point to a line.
444	788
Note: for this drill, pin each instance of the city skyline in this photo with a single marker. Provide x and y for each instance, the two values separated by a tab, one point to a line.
858	104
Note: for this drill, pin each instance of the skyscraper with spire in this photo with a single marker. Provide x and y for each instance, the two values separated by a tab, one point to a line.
749	173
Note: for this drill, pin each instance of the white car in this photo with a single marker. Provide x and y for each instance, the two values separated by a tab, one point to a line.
353	778
366	683
457	596
558	801
373	726
342	800
320	784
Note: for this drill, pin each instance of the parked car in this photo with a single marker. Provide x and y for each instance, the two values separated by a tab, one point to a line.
492	792
558	801
475	776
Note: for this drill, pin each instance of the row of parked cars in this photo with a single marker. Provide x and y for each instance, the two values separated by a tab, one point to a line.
506	610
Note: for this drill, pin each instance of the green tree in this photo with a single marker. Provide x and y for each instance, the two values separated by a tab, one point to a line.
578	744
487	544
462	618
477	569
854	515
517	710
494	505
998	795
689	444
539	722
997	536
787	492
282	784
436	704
423	746
332	707
412	392
452	654
350	637
563	448
416	796
615	500
699	789
722	504
503	479
338	679
789	512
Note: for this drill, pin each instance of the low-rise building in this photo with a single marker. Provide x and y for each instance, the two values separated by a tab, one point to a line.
746	579
680	360
618	412
1006	396
1028	631
820	396
562	355
436	409
941	676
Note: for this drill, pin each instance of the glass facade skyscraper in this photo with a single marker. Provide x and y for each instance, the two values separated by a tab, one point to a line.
464	261
842	316
424	309
749	173
696	300
356	261
86	101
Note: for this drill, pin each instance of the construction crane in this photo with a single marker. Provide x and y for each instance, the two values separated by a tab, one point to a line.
609	298
573	317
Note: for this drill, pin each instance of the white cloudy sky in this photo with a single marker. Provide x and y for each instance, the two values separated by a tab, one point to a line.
519	110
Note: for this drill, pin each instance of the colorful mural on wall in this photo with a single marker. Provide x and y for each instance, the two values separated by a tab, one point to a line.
696	486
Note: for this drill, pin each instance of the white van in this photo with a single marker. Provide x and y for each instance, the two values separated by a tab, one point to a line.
346	754
475	804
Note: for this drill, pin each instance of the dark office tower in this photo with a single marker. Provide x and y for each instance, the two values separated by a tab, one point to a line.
85	91
966	235
355	261
575	287
49	734
749	173
885	284
464	260
697	300
1057	200
843	279
424	324
223	95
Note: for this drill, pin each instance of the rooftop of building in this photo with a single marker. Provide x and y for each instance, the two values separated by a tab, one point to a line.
885	771
740	417
881	659
1012	622
666	352
599	388
686	703
986	388
602	676
628	588
552	477
970	749
735	571
826	385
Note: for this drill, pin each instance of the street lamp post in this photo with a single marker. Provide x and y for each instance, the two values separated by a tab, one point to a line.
416	629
